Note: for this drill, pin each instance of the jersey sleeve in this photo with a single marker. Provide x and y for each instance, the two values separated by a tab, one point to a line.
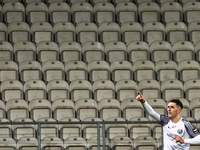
191	130
163	120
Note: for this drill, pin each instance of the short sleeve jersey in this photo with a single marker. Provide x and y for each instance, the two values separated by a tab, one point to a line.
183	128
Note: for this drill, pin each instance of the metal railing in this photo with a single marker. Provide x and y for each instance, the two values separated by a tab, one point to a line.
98	123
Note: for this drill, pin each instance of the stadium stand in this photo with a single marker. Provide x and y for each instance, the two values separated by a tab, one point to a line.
66	62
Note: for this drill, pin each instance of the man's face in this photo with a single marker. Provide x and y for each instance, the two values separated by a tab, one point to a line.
173	110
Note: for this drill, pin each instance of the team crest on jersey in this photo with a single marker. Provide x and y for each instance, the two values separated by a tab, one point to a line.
179	131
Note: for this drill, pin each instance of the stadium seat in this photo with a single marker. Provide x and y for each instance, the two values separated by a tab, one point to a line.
98	70
148	12
7	143
53	143
70	51
159	105
93	51
160	50
144	69
108	32
138	2
41	31
176	31
140	129
75	1
13	11
19	31
86	108
182	2
119	142
195	108
76	70
49	2
145	142
193	32
28	143
12	89
34	89
138	51
149	88
197	52
5	129
126	11
116	130
3	30
40	108
166	70
103	12
2	110
26	2
6	51
171	11
191	89
47	51
188	69
125	89
47	130
70	130
109	108
64	32
59	11
121	70
172	89
191	12
75	143
103	89
17	108
63	108
22	131
183	50
30	70
86	32
131	32
131	108
90	130
80	89
156	131
23	51
53	70
37	12
57	89
8	71
115	51
153	31
93	144
81	12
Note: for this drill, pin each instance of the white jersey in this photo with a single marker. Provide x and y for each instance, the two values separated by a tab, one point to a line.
183	128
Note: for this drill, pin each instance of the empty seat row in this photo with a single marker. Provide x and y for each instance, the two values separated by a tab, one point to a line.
86	130
105	33
95	51
80	93
100	12
99	70
82	144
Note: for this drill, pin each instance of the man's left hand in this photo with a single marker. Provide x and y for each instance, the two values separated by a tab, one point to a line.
178	139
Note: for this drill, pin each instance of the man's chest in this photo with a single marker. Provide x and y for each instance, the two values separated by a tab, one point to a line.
173	130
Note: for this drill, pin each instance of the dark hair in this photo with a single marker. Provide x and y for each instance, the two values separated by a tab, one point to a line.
178	102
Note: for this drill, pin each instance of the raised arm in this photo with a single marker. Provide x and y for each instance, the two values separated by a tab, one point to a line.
147	107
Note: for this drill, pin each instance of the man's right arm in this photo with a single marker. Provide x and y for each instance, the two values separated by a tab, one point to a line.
147	107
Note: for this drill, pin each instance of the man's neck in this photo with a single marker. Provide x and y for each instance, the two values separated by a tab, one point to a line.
176	119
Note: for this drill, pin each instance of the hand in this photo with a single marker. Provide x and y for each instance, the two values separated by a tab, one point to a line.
140	97
178	139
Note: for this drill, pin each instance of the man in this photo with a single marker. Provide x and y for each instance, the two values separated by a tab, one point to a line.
178	133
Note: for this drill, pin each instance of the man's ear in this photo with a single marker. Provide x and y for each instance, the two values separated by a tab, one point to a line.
179	110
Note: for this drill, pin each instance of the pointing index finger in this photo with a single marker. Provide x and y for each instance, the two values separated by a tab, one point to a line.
139	93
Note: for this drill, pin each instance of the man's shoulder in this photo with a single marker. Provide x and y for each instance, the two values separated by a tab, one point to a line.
164	120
